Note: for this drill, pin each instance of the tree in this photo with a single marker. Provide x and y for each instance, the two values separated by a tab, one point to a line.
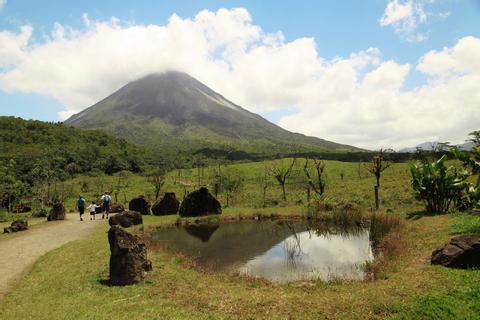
11	189
122	183
376	167
475	137
281	171
316	180
232	184
157	179
471	160
264	182
438	185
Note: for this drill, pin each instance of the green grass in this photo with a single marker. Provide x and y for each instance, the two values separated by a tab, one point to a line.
355	188
65	283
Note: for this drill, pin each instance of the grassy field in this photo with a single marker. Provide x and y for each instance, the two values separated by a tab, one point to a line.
346	183
66	283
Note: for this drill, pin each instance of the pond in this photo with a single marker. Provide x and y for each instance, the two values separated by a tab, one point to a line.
280	251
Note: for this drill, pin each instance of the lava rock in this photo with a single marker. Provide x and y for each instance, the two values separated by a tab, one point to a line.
117	208
17	225
57	212
139	204
168	205
200	203
126	219
461	252
26	209
128	259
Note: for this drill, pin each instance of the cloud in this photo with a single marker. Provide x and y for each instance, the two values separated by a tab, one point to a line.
406	16
2	4
359	99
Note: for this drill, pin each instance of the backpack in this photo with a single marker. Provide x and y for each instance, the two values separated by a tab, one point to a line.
106	199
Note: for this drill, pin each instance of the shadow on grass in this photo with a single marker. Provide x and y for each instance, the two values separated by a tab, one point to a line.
104	282
415	215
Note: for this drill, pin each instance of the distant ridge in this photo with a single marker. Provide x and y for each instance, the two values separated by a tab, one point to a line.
176	112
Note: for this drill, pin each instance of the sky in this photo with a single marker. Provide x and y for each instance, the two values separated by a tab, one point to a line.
374	74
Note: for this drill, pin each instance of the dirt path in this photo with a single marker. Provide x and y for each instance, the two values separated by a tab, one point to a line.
19	252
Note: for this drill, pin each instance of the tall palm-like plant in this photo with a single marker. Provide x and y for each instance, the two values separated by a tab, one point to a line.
437	185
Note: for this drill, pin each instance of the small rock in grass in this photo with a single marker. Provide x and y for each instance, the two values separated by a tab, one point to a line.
17	225
126	219
461	252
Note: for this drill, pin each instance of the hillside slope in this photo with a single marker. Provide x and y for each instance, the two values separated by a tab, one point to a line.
64	150
176	112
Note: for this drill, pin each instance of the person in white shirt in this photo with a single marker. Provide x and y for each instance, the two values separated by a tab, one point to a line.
92	207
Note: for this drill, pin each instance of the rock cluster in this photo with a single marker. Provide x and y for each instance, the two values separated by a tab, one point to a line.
461	252
168	205
128	259
17	225
126	219
200	203
139	204
116	208
57	212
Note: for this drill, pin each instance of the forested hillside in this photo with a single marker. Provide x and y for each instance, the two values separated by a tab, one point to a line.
40	149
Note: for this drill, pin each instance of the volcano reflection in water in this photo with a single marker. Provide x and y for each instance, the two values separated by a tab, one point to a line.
277	251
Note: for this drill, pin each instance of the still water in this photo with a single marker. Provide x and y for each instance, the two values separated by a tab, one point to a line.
278	251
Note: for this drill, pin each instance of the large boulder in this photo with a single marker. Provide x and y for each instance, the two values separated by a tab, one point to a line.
17	225
461	252
126	219
117	208
128	259
57	212
168	205
200	203
139	204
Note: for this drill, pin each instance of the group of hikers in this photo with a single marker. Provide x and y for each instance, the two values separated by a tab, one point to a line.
104	203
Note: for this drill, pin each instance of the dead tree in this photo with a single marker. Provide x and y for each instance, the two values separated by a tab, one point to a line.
376	167
317	180
157	179
281	173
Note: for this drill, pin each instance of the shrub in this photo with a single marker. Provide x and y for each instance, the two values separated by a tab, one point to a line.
437	185
42	213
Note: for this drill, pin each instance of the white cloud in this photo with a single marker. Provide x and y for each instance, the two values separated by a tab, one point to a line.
406	16
2	4
359	99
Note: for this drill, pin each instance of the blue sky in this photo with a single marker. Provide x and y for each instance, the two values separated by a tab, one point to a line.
339	29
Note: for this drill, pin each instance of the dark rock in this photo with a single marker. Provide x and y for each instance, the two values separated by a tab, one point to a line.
462	252
126	219
17	225
26	209
200	203
57	212
128	259
139	204
168	205
202	231
117	208
99	209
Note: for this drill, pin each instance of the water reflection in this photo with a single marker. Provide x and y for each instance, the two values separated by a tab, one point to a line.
278	251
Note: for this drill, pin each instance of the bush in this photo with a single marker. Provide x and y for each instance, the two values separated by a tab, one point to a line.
437	185
42	213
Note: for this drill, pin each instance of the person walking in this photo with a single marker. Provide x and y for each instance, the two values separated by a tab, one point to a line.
81	206
93	210
106	199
